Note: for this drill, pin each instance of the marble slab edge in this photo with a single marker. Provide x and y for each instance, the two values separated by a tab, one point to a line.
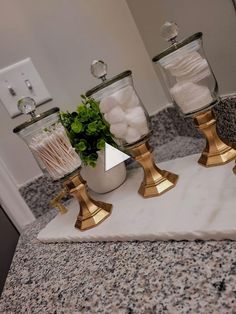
183	236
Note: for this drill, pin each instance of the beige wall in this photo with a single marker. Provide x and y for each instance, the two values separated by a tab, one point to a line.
215	18
62	37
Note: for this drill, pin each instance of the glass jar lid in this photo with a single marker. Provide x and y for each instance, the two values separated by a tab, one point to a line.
99	70
169	31
27	105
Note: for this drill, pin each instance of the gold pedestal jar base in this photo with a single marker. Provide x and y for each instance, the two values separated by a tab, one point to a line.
56	201
91	212
155	181
234	169
216	151
234	146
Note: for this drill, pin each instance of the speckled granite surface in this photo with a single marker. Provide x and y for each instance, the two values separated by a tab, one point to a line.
122	277
37	194
226	119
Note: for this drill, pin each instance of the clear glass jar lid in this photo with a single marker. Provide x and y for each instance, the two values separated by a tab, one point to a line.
99	70
27	106
169	32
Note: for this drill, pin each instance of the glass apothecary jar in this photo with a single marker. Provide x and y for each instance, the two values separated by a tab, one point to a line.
46	138
130	125
193	87
186	71
120	105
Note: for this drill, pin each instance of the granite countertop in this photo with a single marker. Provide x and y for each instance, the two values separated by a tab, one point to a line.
122	277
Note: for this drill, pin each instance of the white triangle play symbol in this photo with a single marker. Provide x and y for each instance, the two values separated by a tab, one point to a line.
113	157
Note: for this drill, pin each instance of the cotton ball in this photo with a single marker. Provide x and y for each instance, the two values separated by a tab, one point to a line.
123	95
115	115
132	135
107	104
132	102
119	129
135	116
143	129
105	116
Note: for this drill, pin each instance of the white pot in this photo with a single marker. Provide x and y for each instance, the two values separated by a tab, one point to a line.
101	181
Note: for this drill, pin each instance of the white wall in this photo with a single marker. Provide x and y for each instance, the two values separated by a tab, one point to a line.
215	18
62	37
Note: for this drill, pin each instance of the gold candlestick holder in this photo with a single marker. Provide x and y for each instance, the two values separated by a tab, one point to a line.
234	147
56	201
155	181
234	169
91	212
216	151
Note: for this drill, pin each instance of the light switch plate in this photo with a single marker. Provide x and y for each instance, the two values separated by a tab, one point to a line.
23	80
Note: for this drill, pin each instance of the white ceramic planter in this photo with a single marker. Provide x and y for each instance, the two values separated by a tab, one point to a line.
101	181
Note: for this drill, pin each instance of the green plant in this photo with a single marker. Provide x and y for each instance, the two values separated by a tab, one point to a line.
87	130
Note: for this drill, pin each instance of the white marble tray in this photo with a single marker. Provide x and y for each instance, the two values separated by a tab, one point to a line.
201	206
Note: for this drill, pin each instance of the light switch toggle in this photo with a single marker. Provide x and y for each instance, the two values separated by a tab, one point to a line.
11	90
29	85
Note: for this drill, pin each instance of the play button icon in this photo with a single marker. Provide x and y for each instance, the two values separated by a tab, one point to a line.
113	157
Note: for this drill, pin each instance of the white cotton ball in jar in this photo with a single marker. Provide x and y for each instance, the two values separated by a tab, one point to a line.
124	95
107	104
143	129
119	130
132	102
135	116
115	115
132	135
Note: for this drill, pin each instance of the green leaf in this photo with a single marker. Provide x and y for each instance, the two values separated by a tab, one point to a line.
83	114
101	144
92	128
81	146
101	126
92	163
76	126
65	118
92	158
72	136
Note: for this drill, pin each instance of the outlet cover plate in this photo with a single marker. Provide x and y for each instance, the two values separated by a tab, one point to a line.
16	77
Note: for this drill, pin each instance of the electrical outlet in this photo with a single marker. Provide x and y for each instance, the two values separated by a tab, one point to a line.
21	80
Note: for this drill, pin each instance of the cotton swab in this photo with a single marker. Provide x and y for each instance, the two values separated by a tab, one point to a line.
54	150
